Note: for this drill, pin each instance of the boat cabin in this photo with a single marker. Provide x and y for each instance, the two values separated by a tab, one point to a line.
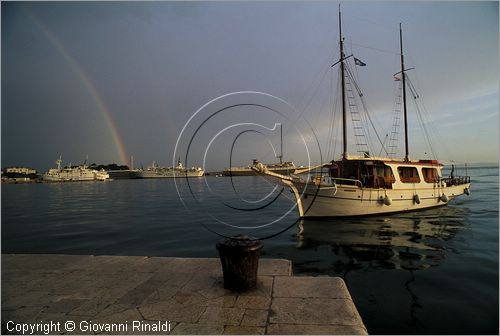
384	173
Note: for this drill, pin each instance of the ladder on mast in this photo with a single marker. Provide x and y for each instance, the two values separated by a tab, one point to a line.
357	122
393	139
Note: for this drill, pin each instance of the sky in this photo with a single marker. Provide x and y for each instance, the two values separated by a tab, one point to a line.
111	80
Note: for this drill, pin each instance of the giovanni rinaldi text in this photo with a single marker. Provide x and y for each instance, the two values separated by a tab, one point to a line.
85	326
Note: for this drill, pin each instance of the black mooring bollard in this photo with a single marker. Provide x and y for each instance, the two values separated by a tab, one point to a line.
239	257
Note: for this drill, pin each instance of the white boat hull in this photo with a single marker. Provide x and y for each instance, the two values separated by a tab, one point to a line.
347	201
155	171
74	175
150	174
48	178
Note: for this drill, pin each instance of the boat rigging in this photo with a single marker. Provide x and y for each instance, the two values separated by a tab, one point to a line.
364	184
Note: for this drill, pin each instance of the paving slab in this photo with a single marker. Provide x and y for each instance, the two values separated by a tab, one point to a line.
254	302
310	287
197	329
243	330
222	316
98	292
255	318
308	329
313	311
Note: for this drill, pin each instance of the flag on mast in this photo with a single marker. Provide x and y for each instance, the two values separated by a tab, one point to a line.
359	62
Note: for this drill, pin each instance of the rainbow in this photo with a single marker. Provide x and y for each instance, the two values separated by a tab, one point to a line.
54	41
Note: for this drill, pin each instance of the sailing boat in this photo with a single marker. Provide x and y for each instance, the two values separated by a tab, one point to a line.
284	168
366	185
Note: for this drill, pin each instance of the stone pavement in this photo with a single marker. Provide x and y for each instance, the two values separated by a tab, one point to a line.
150	295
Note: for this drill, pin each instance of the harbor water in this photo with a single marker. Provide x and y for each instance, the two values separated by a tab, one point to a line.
428	272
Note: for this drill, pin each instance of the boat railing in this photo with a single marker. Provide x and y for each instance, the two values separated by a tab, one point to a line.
347	181
335	181
459	180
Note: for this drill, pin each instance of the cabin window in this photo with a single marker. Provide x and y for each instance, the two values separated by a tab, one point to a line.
430	175
388	174
408	175
376	175
389	178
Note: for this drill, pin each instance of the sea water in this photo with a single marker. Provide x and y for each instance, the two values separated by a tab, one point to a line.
433	271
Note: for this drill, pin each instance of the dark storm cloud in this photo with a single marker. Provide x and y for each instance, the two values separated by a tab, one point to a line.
153	64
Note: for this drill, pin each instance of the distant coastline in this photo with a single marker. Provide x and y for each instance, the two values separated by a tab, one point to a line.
480	165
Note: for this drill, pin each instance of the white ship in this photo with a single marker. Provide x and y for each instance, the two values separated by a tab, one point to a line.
155	171
285	168
366	185
72	174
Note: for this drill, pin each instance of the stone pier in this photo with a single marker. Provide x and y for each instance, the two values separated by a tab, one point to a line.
157	295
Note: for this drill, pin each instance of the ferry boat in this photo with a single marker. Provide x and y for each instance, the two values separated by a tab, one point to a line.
155	171
285	168
357	185
126	174
74	174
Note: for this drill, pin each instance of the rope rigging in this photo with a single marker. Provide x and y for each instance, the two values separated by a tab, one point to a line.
332	140
357	119
432	126
361	120
366	116
421	117
393	138
376	49
312	91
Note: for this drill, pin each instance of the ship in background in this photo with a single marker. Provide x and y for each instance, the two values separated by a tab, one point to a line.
155	171
74	174
122	172
285	168
282	168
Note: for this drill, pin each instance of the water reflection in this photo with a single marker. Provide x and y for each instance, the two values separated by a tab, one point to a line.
362	250
414	303
407	241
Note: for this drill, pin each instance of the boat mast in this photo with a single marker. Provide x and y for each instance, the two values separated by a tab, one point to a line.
281	147
342	71
403	75
58	162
